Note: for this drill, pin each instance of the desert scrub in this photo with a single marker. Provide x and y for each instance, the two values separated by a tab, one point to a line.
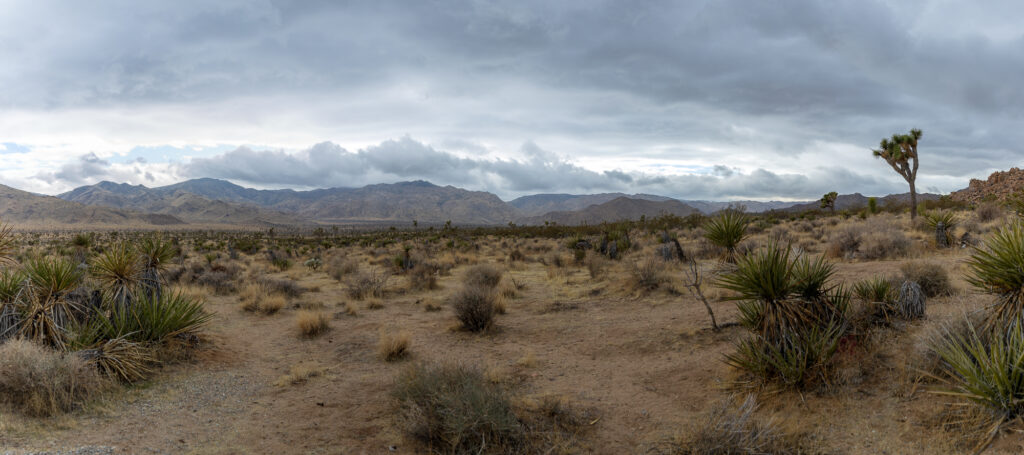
483	275
367	284
42	382
312	324
453	408
474	307
932	277
649	274
730	429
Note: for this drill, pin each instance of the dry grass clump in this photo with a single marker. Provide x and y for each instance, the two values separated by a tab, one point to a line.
312	324
844	242
483	275
284	287
988	211
394	346
367	284
42	382
649	274
932	277
474	307
259	298
300	373
733	430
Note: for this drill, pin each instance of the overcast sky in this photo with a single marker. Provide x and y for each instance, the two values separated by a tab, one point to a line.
690	99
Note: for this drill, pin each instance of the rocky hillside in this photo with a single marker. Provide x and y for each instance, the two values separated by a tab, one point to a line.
26	210
999	186
539	204
618	209
180	204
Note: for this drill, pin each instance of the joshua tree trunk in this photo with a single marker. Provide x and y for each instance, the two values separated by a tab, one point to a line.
913	196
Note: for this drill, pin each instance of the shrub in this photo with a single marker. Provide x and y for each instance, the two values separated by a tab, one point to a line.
474	307
988	211
423	276
312	324
453	408
728	429
484	275
884	244
932	277
221	283
649	274
393	347
285	287
845	241
366	285
727	229
339	266
42	382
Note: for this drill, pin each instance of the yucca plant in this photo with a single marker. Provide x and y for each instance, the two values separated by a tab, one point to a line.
153	319
777	292
155	254
880	295
119	271
797	317
52	278
11	284
947	219
986	370
117	358
727	230
997	267
798	360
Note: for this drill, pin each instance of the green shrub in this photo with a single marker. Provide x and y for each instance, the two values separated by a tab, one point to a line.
154	319
453	408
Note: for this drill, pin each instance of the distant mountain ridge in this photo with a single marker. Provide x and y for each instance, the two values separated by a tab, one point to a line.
539	204
618	209
211	200
26	210
857	200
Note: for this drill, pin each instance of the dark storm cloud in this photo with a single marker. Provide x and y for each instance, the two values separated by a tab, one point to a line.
609	79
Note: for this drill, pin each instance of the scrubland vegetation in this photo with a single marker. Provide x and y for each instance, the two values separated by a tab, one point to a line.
831	331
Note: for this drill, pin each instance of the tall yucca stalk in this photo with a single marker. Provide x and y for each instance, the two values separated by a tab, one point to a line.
118	270
727	230
998	268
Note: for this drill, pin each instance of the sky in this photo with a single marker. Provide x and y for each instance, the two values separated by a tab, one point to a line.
714	100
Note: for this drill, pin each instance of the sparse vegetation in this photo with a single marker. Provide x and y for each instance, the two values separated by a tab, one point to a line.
312	323
474	307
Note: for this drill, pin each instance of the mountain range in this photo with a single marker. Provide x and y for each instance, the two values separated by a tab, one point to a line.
210	202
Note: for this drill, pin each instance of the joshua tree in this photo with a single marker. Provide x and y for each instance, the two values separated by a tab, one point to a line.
828	201
900	151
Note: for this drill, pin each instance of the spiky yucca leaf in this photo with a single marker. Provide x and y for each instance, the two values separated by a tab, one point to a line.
998	268
118	270
987	369
52	278
948	219
875	290
154	319
798	360
119	359
156	253
11	283
727	230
